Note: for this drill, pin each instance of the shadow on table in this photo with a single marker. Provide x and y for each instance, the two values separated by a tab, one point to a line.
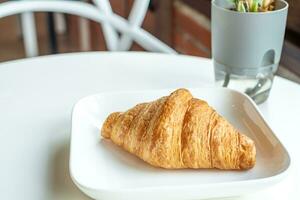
61	183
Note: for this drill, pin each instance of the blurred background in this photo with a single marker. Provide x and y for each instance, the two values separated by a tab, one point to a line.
182	24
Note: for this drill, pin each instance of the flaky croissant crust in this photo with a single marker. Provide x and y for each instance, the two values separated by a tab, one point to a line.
179	131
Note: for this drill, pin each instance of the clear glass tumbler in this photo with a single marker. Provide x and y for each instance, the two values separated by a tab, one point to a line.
255	83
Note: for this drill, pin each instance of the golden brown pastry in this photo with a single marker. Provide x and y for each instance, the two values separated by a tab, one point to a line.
179	131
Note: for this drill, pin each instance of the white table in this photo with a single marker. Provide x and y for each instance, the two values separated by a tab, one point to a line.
37	96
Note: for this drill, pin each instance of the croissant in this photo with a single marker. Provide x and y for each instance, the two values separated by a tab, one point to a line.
179	131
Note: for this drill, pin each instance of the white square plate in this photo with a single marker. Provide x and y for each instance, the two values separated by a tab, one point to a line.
104	171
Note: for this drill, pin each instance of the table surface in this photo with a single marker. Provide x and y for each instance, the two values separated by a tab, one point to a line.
37	96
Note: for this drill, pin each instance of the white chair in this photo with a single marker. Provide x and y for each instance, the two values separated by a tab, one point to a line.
101	12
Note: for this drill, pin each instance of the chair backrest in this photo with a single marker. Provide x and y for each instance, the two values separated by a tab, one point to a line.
135	19
101	12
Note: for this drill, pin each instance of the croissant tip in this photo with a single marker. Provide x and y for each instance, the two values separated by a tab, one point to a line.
108	124
247	153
